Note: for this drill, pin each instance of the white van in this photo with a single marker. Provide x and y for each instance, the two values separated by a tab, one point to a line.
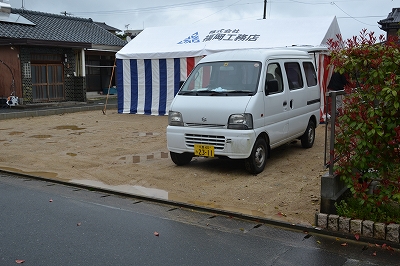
243	103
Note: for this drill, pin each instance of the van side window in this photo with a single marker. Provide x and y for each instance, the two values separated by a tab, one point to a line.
293	74
274	72
311	76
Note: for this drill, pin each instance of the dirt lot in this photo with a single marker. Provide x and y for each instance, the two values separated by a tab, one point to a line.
128	152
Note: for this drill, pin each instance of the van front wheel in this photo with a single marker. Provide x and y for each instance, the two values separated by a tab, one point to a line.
255	164
307	140
181	158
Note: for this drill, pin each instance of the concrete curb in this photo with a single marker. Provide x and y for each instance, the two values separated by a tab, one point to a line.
54	111
369	229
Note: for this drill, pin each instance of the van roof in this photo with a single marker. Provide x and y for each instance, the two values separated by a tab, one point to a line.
256	54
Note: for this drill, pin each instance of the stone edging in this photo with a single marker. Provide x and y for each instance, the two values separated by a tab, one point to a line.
332	222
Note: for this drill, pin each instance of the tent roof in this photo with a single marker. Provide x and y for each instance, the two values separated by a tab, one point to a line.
203	39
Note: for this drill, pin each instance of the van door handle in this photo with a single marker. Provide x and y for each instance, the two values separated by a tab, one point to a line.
291	104
284	103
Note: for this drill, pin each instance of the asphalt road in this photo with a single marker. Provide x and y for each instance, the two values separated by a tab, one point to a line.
45	223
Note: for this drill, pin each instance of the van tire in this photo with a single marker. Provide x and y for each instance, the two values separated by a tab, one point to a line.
255	164
307	140
181	158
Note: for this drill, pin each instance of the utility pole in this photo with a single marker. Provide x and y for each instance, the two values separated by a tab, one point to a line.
265	9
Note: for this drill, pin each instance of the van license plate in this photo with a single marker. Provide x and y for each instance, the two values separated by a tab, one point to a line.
203	150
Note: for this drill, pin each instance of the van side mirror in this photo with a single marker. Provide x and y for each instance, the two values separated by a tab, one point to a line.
271	86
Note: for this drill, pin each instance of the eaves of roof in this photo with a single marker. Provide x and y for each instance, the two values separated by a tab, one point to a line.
392	18
33	42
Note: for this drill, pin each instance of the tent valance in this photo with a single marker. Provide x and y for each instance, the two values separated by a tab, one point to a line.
199	40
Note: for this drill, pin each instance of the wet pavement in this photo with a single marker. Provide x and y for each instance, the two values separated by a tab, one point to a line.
48	223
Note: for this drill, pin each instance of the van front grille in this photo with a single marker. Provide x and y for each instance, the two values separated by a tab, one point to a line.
205	125
217	141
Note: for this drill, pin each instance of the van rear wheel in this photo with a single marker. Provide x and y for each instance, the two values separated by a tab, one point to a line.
181	158
307	140
255	164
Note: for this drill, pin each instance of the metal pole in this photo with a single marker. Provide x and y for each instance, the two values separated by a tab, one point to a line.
333	95
332	140
265	9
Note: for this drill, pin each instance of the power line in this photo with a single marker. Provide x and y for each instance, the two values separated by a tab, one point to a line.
147	9
216	12
333	3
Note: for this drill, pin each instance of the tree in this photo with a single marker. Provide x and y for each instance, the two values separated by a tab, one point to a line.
367	144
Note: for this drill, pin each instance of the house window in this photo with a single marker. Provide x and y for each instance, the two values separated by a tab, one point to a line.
42	58
47	82
27	70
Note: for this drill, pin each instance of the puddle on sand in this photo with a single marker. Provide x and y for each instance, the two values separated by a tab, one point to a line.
41	136
135	190
40	174
69	127
13	133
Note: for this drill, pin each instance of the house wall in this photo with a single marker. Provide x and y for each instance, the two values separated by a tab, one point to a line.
74	87
10	56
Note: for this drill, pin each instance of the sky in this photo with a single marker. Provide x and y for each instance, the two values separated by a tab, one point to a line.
352	15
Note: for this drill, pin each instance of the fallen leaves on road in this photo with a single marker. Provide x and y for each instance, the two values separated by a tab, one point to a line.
156	234
50	200
19	261
357	236
344	244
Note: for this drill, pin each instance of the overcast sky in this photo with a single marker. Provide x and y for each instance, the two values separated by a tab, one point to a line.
352	15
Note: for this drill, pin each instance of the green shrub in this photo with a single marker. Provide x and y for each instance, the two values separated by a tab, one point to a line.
351	208
367	141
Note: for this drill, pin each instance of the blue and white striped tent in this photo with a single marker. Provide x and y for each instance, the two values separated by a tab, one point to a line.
151	66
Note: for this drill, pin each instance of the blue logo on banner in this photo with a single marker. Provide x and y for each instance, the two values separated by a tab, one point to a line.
194	38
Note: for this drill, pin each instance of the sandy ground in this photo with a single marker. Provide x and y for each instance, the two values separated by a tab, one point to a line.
128	152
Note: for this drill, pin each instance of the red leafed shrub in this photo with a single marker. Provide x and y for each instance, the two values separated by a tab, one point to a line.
367	141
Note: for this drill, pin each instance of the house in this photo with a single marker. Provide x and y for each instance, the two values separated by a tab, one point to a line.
391	24
48	57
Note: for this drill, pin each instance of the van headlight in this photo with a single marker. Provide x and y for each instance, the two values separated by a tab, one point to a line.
175	119
240	121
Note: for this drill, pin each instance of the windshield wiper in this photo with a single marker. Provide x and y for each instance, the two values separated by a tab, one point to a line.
243	91
188	92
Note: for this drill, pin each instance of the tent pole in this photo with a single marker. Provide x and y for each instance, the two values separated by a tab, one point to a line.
109	86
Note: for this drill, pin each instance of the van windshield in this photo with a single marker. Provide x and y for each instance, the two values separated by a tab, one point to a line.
228	78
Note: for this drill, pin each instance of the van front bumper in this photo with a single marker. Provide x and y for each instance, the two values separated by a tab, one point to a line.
235	144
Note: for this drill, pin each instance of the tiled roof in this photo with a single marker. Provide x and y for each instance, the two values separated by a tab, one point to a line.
107	27
52	27
393	18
